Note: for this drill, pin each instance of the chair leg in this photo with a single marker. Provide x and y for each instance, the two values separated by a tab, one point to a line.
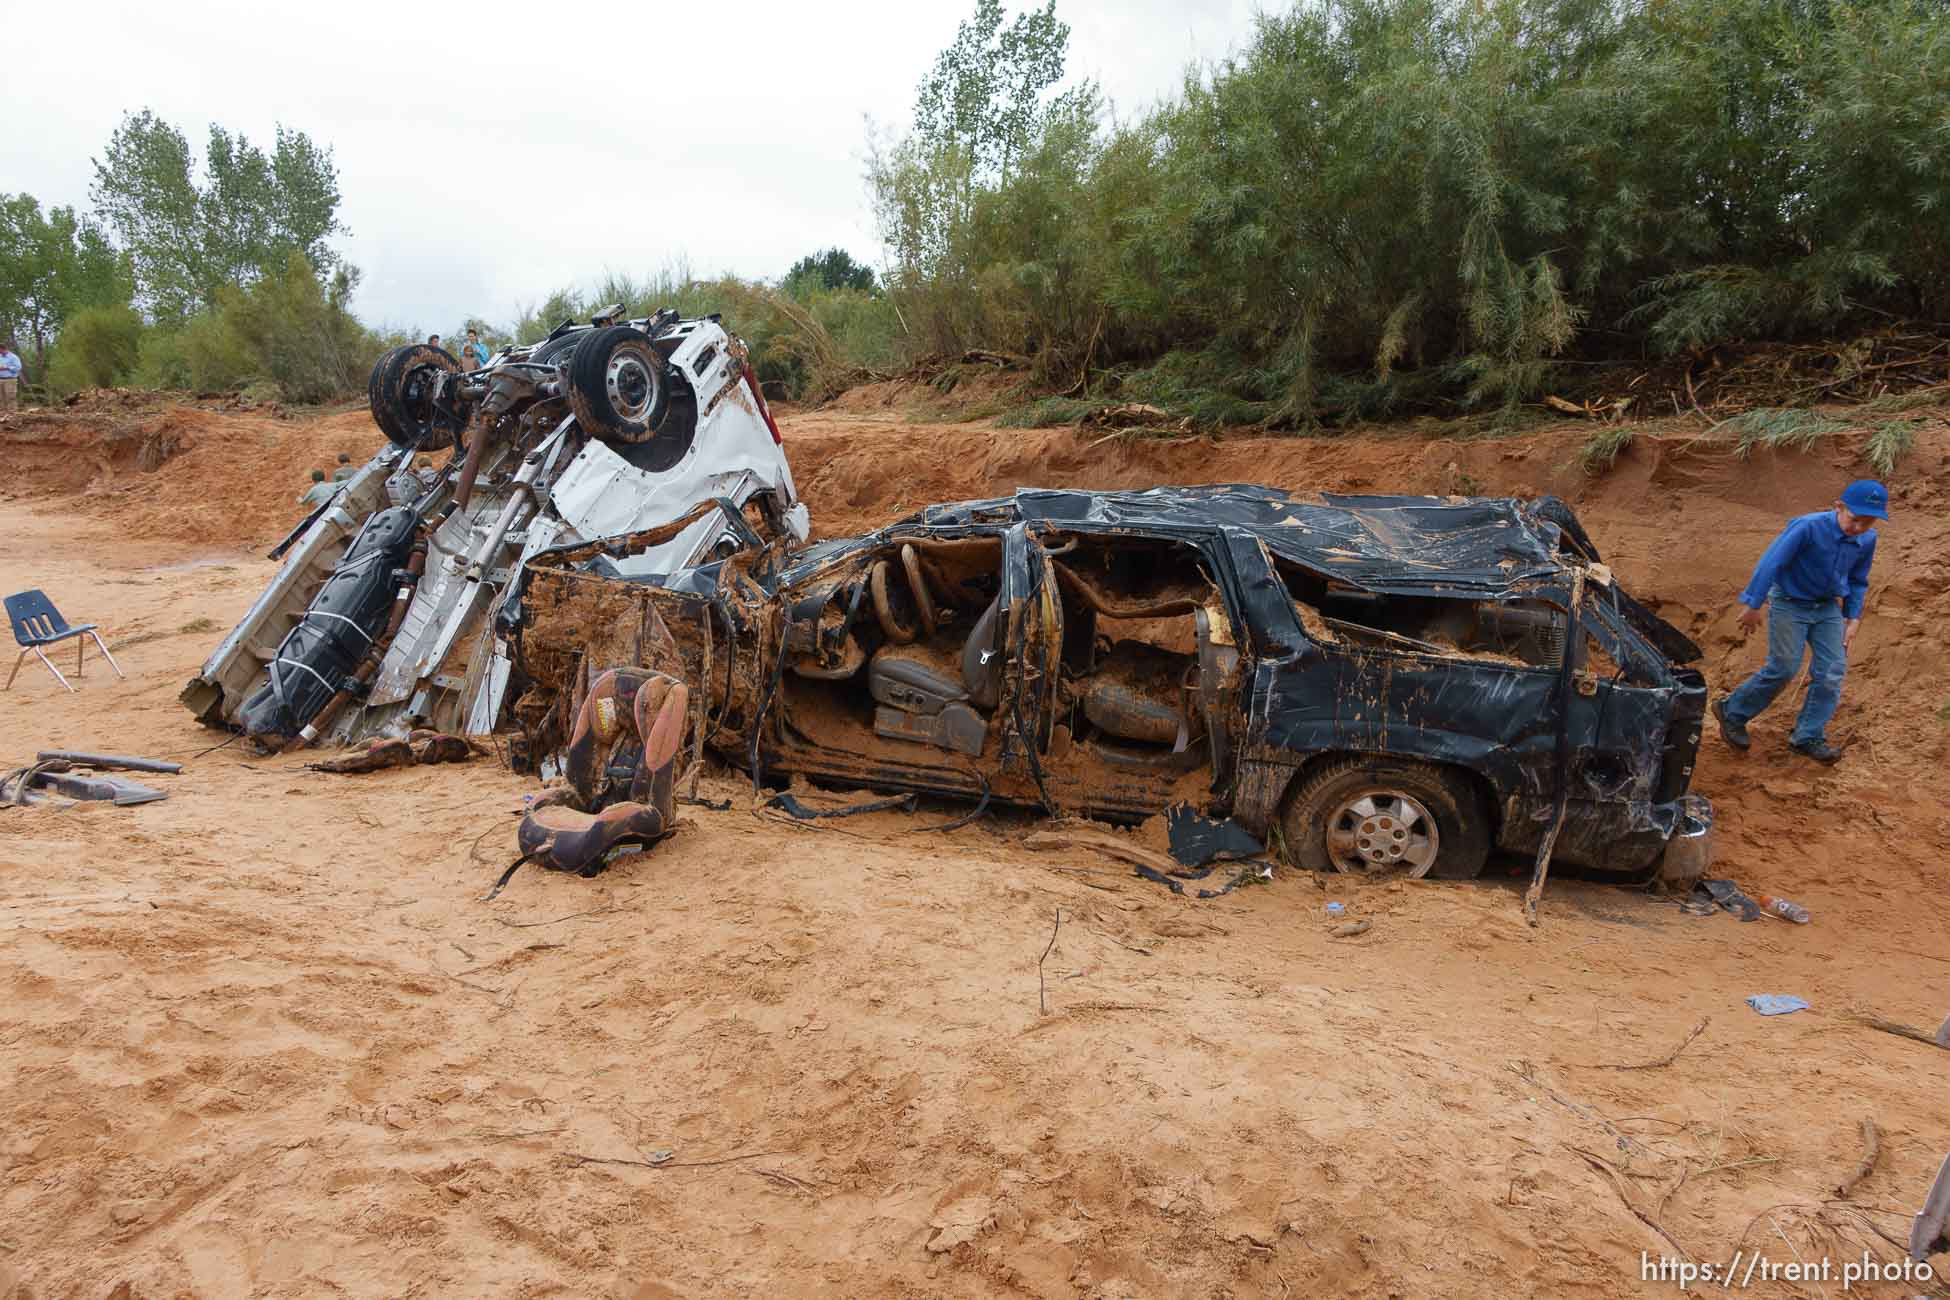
80	648
106	655
38	654
19	659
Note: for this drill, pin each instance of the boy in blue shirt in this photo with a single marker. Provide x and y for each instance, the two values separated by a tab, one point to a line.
1816	576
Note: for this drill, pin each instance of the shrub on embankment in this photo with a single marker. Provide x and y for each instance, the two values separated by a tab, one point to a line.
1388	205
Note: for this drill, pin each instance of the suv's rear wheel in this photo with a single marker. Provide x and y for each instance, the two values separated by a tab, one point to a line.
617	387
401	389
1384	814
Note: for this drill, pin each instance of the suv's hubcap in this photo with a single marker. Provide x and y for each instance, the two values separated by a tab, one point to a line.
632	387
1383	830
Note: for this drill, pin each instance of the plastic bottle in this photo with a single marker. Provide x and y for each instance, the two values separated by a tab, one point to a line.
1337	909
1785	910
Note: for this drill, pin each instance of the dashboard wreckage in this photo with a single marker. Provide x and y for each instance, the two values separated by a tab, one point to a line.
1369	683
381	619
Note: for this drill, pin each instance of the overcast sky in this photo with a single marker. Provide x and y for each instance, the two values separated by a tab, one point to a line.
484	163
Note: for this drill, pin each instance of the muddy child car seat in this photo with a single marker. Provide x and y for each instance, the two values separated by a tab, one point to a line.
572	827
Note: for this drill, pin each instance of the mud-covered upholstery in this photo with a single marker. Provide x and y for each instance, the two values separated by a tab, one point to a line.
1130	714
932	695
572	827
917	678
1134	694
981	657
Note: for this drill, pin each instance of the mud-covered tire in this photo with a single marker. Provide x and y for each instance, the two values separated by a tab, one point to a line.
617	385
400	389
1351	814
553	349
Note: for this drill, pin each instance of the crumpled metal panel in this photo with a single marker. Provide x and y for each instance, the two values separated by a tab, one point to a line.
601	495
440	587
1409	545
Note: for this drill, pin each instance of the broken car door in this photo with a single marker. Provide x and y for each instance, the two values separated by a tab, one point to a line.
1142	687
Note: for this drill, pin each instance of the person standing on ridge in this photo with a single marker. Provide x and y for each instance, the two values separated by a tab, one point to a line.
9	379
1816	576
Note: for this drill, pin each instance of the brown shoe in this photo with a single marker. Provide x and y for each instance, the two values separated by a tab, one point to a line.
1819	750
1734	733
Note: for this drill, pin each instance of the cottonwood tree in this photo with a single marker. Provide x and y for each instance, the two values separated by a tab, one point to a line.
832	269
984	97
53	264
984	110
188	235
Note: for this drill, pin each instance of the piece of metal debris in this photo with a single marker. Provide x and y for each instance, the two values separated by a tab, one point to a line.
1197	839
121	761
54	775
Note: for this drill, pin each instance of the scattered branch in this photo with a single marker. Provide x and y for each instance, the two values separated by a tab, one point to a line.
1899	1030
662	1160
1626	1142
1606	1167
1115	846
1042	986
525	925
1665	1060
785	1180
1871	1152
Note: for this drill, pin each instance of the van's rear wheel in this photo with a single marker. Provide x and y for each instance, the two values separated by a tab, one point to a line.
403	388
617	387
1385	815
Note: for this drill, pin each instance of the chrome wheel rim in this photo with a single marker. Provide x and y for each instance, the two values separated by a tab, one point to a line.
1383	830
631	383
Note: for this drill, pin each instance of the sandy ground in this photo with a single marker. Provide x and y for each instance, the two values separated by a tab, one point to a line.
262	1039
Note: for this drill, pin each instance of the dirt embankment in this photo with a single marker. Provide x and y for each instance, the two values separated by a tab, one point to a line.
262	1038
163	469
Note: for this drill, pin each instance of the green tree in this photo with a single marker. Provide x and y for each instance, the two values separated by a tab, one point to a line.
984	98
98	348
979	203
1379	204
189	236
295	323
832	269
53	265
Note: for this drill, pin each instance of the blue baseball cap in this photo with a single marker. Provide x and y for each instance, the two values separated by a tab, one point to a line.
1865	496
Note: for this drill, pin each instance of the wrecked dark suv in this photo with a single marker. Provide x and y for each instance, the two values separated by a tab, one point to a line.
1402	683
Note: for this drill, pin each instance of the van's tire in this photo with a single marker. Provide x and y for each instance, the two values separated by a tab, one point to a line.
400	389
552	349
1377	814
617	386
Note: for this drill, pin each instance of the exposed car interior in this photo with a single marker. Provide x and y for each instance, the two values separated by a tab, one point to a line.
1147	650
1529	632
915	648
912	649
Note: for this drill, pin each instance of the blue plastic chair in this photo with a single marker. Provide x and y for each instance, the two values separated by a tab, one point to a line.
37	623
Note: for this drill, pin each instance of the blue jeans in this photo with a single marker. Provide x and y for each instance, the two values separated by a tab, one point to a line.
1792	627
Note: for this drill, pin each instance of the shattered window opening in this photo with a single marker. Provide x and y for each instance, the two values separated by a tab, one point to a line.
1132	611
1523	633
